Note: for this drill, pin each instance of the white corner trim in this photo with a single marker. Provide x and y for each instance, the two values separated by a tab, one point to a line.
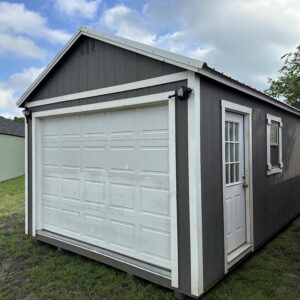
195	204
247	112
173	193
26	177
122	103
270	169
34	177
113	89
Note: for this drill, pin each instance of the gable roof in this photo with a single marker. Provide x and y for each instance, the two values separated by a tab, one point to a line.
11	127
150	51
159	54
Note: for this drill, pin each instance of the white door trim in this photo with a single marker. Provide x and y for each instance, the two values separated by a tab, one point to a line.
113	89
195	204
116	104
247	112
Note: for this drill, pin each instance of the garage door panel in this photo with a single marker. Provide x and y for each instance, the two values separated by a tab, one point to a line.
121	196
50	156
155	244
70	220
155	160
155	201
94	228
94	158
122	159
94	191
70	188
122	235
71	125
51	171
106	180
145	119
70	157
93	124
50	215
50	185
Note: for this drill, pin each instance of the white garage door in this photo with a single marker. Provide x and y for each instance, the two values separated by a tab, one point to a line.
105	180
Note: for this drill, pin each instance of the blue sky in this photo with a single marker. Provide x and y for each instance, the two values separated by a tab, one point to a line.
244	39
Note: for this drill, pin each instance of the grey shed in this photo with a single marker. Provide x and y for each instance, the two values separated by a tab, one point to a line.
175	190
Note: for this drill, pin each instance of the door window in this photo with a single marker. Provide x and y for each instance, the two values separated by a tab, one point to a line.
232	155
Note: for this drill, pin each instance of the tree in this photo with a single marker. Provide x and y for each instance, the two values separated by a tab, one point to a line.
19	119
287	85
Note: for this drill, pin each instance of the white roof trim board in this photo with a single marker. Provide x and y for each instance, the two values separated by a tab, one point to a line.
159	54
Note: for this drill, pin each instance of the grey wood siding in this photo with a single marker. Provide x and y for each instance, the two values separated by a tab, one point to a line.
276	198
92	64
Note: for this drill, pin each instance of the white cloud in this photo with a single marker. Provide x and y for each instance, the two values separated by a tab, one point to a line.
245	39
21	46
128	23
12	89
19	27
82	8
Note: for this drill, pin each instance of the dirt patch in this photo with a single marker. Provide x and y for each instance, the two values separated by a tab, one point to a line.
13	270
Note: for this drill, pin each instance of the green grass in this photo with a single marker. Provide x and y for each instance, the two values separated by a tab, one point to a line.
37	271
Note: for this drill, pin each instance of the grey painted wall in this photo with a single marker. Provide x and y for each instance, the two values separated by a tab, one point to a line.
276	198
92	64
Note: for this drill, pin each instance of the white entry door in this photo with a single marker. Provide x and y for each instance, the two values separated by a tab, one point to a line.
235	200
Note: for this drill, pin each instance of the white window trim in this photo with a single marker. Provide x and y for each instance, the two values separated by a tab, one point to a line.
270	169
37	117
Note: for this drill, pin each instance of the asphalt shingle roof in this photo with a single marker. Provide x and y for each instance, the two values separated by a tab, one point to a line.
11	127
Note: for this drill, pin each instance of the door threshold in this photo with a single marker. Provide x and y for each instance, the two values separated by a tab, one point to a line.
237	254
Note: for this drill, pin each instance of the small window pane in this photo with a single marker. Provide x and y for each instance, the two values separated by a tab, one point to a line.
231	152
230	131
237	172
237	132
232	173
274	133
237	157
226	152
275	155
227	174
226	131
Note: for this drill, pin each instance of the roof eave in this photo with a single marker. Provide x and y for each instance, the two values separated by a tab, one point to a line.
228	81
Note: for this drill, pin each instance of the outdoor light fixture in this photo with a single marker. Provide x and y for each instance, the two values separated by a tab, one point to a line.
26	113
182	93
